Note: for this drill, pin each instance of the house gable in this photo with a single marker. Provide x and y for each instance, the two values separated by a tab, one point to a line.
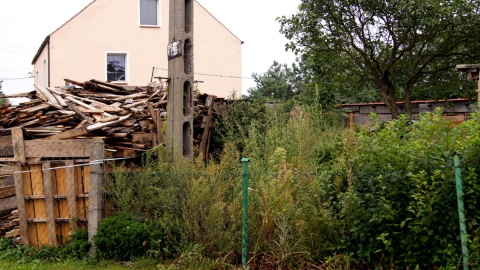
78	49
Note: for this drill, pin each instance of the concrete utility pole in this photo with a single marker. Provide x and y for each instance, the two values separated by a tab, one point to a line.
180	89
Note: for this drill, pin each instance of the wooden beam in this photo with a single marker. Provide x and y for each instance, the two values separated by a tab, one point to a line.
46	94
47	185
160	133
79	113
71	198
72	133
57	148
101	125
61	101
118	87
8	203
7	191
18	145
206	130
22	216
152	111
75	82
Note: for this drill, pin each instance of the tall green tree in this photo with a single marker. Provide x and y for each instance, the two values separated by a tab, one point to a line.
393	44
275	83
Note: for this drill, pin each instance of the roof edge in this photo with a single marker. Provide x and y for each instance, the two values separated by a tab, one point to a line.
40	49
47	39
218	21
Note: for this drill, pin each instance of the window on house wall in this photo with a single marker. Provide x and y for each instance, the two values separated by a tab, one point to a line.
149	12
116	67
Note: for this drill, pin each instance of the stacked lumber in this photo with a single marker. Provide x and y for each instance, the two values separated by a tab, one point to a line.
130	119
9	224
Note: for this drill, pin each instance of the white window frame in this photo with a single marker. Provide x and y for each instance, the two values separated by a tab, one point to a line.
159	3
127	76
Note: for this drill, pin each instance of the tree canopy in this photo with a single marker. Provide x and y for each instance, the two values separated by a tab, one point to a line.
392	46
274	83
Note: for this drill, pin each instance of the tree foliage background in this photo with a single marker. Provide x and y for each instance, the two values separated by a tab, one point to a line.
371	50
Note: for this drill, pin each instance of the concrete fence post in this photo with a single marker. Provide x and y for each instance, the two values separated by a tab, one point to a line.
95	208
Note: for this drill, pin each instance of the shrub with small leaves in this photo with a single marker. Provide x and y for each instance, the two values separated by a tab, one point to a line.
121	237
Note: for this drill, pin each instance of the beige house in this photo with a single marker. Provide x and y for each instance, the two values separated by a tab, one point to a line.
125	41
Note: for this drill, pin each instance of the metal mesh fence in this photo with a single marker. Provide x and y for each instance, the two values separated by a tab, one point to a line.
291	214
45	190
309	216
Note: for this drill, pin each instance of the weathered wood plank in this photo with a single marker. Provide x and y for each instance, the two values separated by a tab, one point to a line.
18	145
152	111
101	125
206	130
47	184
72	133
60	100
8	203
57	149
80	113
22	217
118	87
71	198
7	191
46	94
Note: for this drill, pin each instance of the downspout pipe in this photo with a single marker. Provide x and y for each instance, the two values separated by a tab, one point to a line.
48	57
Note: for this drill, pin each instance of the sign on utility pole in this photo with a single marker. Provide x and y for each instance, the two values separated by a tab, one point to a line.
179	133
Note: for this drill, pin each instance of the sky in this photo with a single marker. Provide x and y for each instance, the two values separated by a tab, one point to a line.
25	24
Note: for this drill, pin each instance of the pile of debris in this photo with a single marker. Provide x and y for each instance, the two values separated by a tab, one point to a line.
9	223
130	119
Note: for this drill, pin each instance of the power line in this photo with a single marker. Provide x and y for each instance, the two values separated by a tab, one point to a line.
2	69
217	75
16	51
11	79
16	46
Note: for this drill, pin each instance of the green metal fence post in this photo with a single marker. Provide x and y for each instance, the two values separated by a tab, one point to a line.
461	210
245	212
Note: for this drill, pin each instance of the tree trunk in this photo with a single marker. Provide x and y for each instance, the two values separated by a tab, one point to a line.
391	103
408	103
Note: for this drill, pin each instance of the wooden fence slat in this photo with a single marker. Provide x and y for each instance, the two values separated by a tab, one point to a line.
71	198
47	184
40	237
22	217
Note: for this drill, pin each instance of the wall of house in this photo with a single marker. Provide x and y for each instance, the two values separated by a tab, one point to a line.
78	49
217	52
40	69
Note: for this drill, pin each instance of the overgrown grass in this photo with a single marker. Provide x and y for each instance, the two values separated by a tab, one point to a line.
320	196
75	265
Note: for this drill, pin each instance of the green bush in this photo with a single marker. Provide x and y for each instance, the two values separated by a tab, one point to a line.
121	238
380	196
78	247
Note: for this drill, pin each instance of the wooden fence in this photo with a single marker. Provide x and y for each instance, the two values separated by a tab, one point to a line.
58	186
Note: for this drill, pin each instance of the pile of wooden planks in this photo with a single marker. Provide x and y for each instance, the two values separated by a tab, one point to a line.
130	119
9	224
